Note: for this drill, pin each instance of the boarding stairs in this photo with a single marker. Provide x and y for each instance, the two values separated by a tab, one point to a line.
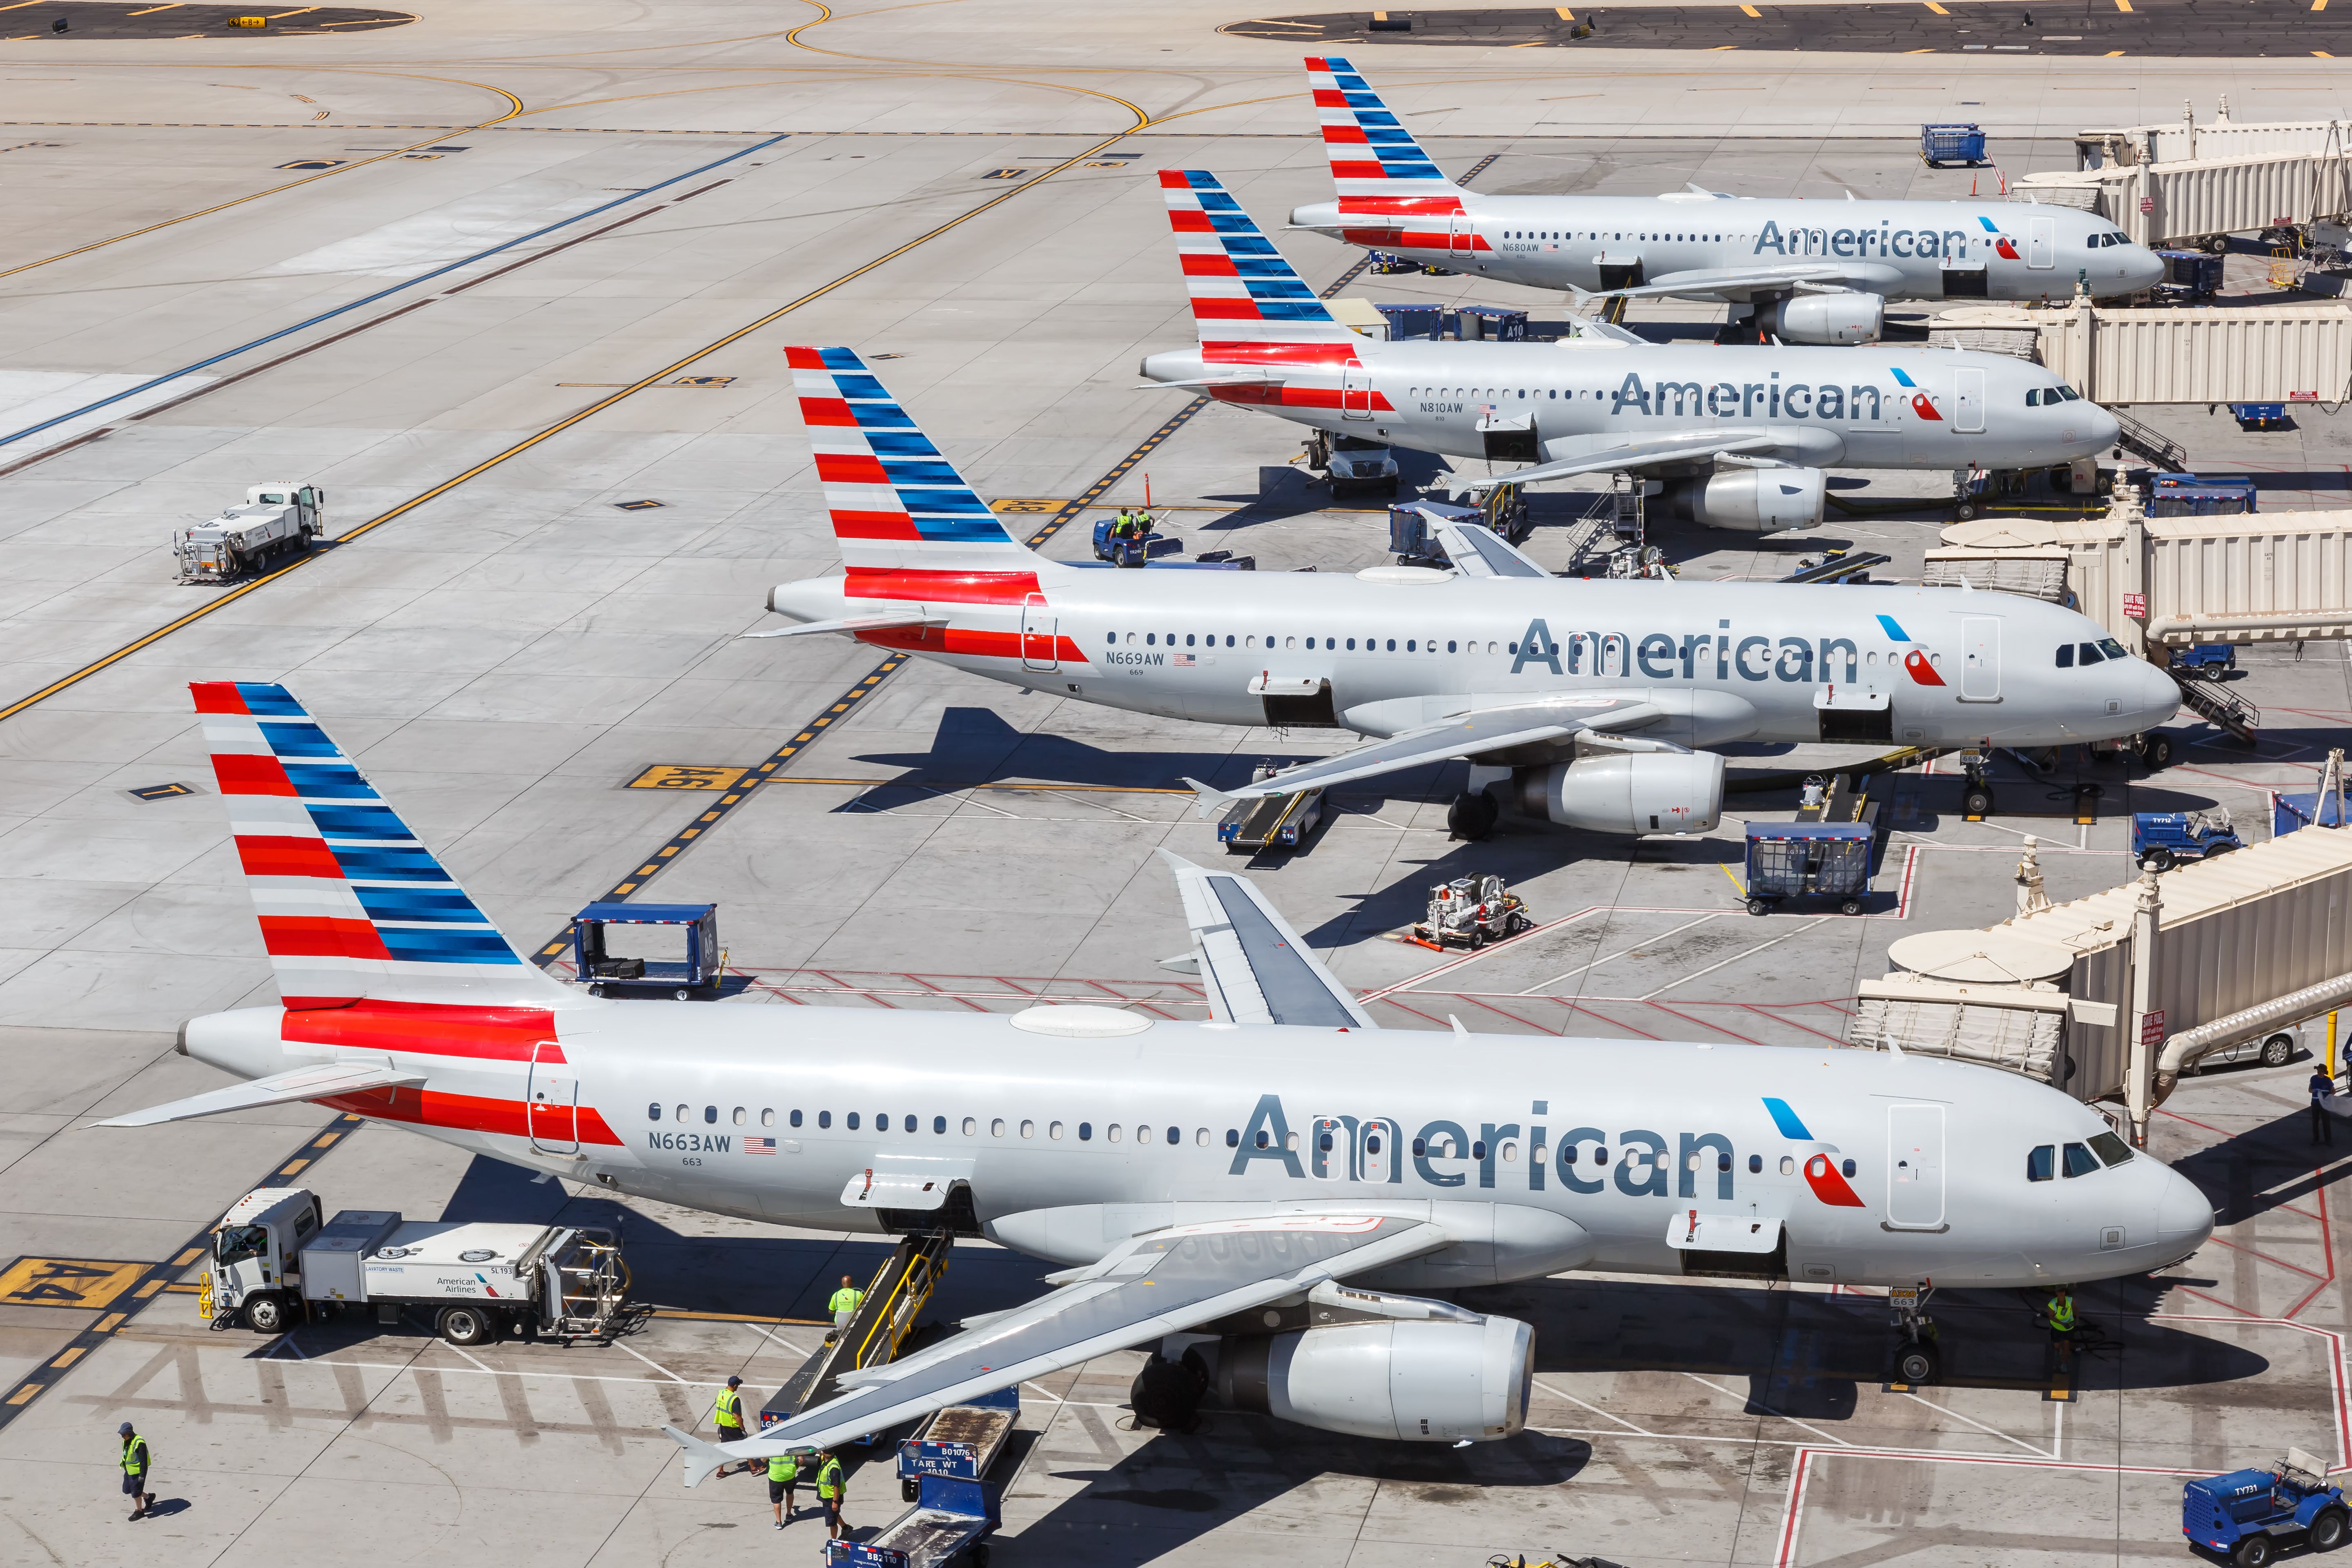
895	1298
2168	454
2215	702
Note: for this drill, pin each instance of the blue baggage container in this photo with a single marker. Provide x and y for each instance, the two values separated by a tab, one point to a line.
1802	860
702	968
1412	320
1942	145
2315	809
1492	323
2196	271
2259	415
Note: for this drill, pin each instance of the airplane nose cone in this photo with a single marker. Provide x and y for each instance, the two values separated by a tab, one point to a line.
1317	215
2182	1214
2102	431
2142	270
2160	694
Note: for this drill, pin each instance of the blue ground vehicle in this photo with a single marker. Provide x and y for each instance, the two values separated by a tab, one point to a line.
1134	552
2247	1514
2206	658
703	968
2162	839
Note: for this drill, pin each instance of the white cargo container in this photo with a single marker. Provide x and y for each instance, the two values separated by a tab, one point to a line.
276	523
272	1257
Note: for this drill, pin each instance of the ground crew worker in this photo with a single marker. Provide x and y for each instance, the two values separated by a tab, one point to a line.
783	1477
136	1463
828	1492
2061	1309
729	1415
2323	1130
844	1307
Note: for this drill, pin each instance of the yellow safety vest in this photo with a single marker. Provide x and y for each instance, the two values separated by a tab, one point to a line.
782	1467
828	1479
845	1299
2061	1314
730	1408
135	1457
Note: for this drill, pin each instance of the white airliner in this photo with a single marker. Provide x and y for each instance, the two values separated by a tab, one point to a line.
1804	271
1198	1180
1595	692
1742	433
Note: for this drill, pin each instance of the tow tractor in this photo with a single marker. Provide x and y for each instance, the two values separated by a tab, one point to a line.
276	523
1471	912
2247	1513
2162	839
272	1257
943	1472
1137	549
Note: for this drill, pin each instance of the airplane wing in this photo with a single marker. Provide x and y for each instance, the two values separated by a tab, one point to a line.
277	1088
1154	1285
1464	734
1259	970
1714	279
1610	456
1480	551
850	625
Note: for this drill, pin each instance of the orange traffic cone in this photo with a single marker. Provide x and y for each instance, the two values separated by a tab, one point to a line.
1972	184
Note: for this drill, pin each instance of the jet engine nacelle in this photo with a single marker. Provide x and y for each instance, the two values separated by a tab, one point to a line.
1833	318
1647	792
1411	1381
1758	500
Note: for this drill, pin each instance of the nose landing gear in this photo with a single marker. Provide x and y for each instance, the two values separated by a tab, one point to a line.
1917	1360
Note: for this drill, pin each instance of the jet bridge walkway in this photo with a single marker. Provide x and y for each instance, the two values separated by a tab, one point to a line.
895	1298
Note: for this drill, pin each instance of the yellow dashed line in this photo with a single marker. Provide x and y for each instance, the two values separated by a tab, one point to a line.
1751	10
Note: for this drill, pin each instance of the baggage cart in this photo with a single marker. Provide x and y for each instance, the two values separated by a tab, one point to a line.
1492	323
702	969
2260	415
2191	274
951	1515
961	1440
1942	145
1412	320
1810	859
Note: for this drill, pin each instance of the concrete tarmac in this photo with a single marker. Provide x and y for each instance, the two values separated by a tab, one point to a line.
510	638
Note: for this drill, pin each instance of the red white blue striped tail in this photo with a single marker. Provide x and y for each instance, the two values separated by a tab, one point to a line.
351	905
1243	291
1376	163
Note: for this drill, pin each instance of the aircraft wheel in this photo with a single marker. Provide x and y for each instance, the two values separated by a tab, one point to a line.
1917	1363
1472	817
1976	801
1166	1393
2156	752
1968	511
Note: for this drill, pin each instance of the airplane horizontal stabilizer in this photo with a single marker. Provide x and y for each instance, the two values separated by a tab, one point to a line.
850	625
701	1457
279	1088
1206	800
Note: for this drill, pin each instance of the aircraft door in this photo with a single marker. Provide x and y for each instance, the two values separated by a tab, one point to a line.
2041	242
552	1111
1460	233
1914	1167
1040	634
1355	393
1980	659
1969	415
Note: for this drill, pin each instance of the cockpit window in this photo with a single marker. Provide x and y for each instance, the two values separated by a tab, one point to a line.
2039	1163
2069	393
2091	653
2079	1161
2111	1149
2065	656
2112	649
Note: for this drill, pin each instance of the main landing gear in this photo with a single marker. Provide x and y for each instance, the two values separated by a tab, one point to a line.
1917	1361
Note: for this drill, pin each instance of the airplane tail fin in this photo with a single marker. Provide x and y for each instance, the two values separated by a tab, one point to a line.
909	525
1243	291
1377	165
351	904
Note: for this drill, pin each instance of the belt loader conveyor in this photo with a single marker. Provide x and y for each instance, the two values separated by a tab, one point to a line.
894	1297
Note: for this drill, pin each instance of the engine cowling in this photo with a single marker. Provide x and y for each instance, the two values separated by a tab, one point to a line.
1836	318
1409	1382
1659	792
1757	501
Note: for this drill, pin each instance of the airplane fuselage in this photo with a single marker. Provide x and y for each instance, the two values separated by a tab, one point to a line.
1395	648
1823	407
1900	250
1545	1155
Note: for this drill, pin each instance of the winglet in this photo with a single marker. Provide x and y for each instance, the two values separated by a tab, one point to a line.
701	1458
1208	800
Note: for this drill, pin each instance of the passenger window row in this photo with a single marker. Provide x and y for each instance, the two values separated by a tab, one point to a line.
853	1121
1274	640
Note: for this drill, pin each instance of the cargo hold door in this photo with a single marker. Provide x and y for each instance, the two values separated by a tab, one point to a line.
1914	1167
553	1108
1040	632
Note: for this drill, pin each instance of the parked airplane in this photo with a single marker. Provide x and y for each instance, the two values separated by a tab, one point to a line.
1804	271
1742	433
1205	1182
1592	692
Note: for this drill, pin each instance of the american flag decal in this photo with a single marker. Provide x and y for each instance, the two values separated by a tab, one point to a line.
759	1145
1182	659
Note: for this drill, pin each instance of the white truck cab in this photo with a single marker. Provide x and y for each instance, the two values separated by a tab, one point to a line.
1360	464
276	523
